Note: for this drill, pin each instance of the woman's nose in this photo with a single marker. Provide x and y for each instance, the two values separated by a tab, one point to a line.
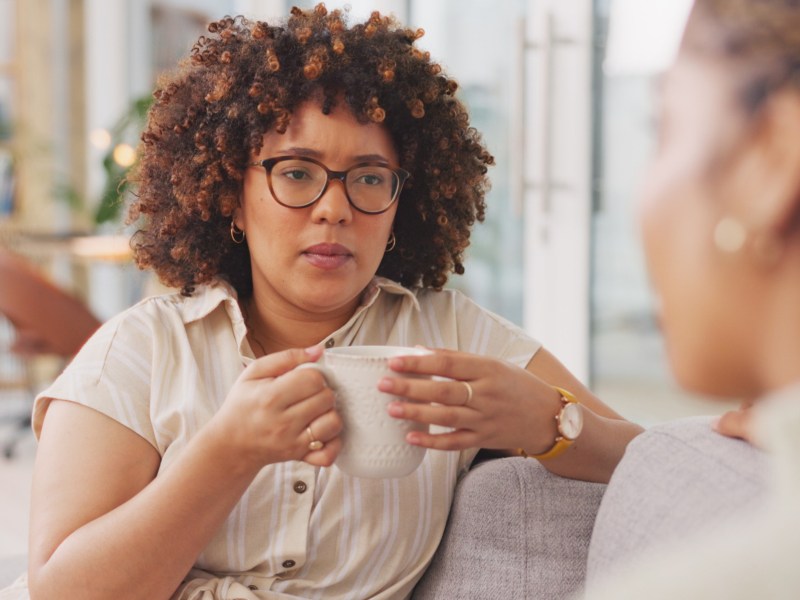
333	206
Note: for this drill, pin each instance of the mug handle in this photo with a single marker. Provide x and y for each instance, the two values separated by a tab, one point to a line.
326	372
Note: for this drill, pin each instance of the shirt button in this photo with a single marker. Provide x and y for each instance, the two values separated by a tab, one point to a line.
300	486
252	587
330	343
288	564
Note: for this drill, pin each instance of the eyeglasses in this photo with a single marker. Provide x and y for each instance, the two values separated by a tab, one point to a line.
297	182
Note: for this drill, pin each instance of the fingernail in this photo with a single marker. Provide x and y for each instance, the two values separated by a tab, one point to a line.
413	438
396	362
395	409
385	384
315	350
715	424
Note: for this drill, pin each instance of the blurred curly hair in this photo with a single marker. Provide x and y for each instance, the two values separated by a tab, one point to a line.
246	78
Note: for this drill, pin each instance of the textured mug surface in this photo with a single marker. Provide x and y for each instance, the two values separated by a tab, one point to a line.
373	443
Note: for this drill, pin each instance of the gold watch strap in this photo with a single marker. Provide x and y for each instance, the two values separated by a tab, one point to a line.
561	443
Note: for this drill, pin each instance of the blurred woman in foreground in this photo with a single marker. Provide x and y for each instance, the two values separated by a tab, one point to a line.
721	224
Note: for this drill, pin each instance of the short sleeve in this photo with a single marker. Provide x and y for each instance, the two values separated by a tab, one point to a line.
492	335
110	374
452	320
458	322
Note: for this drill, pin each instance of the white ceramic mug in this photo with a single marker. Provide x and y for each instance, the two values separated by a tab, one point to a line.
373	443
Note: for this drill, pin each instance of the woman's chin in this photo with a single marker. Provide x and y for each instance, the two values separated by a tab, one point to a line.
697	375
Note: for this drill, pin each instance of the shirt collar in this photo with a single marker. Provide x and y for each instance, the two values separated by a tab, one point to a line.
209	296
382	284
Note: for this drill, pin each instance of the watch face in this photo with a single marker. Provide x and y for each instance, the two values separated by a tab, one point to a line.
571	421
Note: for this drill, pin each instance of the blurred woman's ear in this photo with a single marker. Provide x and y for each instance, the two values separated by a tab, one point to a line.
775	162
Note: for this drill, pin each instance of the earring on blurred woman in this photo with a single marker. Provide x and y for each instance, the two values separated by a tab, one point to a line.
391	243
729	235
237	235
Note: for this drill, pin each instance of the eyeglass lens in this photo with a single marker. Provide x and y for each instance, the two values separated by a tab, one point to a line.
298	182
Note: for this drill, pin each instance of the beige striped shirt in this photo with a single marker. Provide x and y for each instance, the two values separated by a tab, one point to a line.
163	368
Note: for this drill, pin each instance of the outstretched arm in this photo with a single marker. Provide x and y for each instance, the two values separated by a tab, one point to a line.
509	408
605	435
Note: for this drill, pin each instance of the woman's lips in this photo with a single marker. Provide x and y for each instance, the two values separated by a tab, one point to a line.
327	256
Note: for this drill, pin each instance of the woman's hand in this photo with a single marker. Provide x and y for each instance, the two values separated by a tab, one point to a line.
737	424
273	412
508	407
113	510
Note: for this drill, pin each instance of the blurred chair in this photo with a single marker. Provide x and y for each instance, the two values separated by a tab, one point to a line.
17	386
45	320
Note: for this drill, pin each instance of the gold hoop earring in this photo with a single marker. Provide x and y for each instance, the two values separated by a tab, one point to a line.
391	243
237	235
729	235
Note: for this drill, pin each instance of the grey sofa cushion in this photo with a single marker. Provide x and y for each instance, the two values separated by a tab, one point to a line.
675	479
515	531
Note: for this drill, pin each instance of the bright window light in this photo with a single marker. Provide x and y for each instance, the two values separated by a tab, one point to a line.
644	35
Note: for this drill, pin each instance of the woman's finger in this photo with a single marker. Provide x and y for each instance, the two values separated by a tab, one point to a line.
325	456
454	440
279	363
292	388
446	416
736	424
308	406
445	363
449	392
323	428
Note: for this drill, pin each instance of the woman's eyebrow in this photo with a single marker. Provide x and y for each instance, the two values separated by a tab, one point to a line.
316	154
300	151
371	158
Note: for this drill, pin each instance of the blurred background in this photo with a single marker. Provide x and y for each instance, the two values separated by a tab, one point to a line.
562	90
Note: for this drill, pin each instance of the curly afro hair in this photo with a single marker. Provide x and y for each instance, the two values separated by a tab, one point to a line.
246	78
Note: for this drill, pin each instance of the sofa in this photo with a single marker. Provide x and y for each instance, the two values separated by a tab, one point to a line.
517	531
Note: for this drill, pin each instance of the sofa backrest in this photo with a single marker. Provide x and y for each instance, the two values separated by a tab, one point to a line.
675	480
515	532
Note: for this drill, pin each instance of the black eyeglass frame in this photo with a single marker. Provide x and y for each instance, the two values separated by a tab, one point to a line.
269	163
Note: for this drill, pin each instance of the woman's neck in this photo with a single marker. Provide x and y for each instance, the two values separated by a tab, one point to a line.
270	330
778	354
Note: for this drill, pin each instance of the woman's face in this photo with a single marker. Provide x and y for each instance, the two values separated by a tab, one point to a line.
706	301
316	260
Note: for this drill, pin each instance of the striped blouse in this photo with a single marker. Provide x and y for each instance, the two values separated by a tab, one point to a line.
298	531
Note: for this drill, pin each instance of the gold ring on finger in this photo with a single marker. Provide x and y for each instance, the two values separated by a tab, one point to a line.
469	393
314	444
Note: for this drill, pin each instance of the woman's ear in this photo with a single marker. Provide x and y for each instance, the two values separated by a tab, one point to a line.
775	161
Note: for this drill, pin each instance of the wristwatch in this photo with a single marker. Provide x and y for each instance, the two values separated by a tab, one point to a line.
569	422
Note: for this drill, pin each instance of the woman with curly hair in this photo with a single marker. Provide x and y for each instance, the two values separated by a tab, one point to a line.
305	185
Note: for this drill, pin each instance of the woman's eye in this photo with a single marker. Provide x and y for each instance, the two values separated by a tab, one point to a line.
370	179
296	175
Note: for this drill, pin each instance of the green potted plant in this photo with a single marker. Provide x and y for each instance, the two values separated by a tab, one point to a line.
119	159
